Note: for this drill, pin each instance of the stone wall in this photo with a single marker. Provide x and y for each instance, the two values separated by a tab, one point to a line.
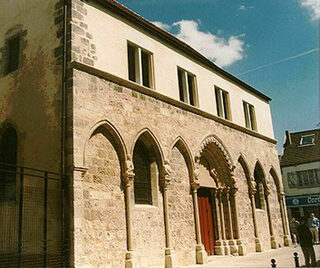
103	223
130	113
181	215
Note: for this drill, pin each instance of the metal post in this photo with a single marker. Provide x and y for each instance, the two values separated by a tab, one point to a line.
296	259
273	263
45	216
20	219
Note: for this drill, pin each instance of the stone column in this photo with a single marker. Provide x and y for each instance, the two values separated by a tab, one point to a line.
218	243
284	219
232	244
252	191
165	183
241	247
75	200
272	238
222	223
128	181
201	254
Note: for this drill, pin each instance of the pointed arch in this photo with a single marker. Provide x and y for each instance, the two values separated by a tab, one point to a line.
213	139
151	140
112	134
183	148
244	164
276	179
259	170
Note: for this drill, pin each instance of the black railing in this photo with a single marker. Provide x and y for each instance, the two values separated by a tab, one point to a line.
31	218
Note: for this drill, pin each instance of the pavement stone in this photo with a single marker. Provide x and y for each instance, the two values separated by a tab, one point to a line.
283	257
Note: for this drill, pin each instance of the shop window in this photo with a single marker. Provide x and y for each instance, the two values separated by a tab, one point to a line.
140	66
222	103
187	87
250	116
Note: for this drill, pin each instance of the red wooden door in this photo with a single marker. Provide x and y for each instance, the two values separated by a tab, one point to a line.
206	220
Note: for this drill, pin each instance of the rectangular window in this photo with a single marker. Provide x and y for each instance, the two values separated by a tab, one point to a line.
187	87
250	116
308	178
307	140
140	66
13	54
222	103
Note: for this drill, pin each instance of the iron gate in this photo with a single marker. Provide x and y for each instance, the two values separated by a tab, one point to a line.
31	218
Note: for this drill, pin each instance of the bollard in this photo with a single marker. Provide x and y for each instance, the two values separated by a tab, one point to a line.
296	259
273	263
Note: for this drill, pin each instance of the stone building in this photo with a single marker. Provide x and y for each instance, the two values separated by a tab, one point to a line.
157	157
300	166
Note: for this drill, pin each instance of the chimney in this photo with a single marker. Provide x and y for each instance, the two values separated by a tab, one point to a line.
288	139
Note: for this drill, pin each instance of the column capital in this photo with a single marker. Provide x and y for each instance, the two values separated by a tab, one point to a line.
166	177
252	186
281	195
129	172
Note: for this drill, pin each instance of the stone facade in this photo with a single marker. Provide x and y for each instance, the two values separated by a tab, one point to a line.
99	103
106	116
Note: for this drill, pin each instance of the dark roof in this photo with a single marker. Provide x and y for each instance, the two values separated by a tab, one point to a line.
164	35
295	154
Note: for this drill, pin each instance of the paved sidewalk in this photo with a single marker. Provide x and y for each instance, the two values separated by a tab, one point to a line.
283	257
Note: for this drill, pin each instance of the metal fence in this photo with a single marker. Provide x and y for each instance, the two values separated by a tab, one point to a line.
31	218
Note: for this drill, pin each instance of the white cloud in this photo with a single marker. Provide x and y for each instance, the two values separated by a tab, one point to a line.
313	7
162	25
222	51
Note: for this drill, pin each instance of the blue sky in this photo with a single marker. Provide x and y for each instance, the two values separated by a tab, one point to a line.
280	36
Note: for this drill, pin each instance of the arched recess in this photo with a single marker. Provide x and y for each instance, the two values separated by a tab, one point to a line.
113	136
276	180
103	196
217	191
148	164
260	184
183	148
180	203
251	192
263	191
152	235
281	202
8	161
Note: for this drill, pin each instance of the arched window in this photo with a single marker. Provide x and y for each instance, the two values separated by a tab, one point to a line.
8	161
142	170
259	195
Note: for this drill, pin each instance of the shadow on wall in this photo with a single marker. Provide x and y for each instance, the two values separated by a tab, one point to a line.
28	103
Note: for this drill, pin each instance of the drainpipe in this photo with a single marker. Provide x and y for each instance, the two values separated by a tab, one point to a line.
63	132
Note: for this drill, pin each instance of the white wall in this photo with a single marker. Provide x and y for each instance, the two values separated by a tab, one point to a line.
110	35
301	190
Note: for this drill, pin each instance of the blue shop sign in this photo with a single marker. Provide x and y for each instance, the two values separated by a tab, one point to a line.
303	201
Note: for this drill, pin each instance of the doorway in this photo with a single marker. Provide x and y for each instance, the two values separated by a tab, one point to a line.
206	219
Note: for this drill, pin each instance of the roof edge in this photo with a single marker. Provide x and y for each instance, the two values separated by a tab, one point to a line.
139	20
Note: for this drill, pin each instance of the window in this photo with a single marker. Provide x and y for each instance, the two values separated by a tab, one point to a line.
140	66
305	178
142	170
250	116
222	103
187	87
8	161
13	54
307	140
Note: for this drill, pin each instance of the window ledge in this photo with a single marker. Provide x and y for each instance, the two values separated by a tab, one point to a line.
144	207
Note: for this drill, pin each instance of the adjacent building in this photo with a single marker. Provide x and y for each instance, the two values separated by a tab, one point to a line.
300	165
122	146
